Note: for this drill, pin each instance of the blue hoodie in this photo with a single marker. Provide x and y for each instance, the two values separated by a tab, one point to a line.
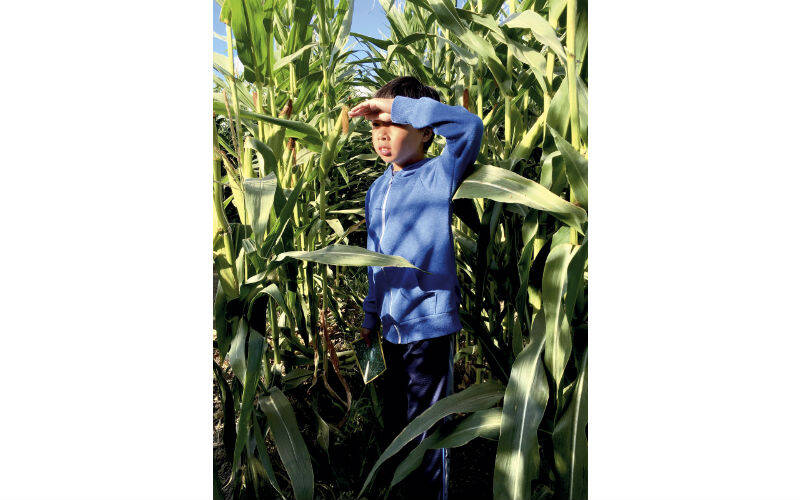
408	213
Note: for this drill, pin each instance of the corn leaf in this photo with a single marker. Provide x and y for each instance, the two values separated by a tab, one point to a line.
483	423
300	35
246	19
344	28
559	343
577	264
228	411
524	148
259	194
345	255
224	335
540	29
283	61
236	354
268	161
254	349
283	218
581	35
525	261
291	447
306	133
503	185
577	169
473	398
414	61
492	6
570	442
383	44
558	113
263	456
448	16
517	460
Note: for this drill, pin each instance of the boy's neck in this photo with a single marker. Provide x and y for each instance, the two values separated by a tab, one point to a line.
417	158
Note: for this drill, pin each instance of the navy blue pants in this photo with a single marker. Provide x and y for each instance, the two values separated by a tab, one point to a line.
418	374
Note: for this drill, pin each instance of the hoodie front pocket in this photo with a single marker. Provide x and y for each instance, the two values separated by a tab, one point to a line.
414	303
410	301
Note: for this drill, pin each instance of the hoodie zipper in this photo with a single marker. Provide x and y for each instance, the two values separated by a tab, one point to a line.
383	213
380	245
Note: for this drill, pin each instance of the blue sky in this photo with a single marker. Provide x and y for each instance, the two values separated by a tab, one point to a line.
368	19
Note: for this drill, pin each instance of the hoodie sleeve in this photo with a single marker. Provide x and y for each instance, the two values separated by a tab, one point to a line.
462	130
371	319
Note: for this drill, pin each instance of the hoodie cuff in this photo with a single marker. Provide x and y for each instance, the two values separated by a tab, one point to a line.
403	108
371	321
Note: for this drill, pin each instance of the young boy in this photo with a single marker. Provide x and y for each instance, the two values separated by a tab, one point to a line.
408	212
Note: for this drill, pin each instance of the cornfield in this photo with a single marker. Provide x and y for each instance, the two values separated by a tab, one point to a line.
290	174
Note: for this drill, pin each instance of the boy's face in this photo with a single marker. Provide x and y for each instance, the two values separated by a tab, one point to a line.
398	143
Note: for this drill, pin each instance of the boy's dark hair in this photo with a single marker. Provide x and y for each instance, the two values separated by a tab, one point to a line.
408	86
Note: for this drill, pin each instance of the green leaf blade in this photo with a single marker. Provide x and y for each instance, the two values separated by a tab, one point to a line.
345	255
259	195
570	442
473	398
525	399
577	169
504	185
291	447
558	341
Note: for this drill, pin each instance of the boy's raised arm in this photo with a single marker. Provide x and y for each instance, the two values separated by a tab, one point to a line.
462	130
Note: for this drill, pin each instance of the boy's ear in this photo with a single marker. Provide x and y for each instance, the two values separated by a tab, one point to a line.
427	133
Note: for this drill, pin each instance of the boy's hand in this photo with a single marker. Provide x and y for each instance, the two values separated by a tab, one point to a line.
374	109
365	334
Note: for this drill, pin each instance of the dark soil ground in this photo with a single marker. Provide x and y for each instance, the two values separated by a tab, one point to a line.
352	451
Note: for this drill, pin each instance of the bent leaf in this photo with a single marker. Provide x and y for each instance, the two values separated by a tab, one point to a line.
345	255
540	29
523	149
504	185
310	136
577	169
473	398
483	423
283	61
268	161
